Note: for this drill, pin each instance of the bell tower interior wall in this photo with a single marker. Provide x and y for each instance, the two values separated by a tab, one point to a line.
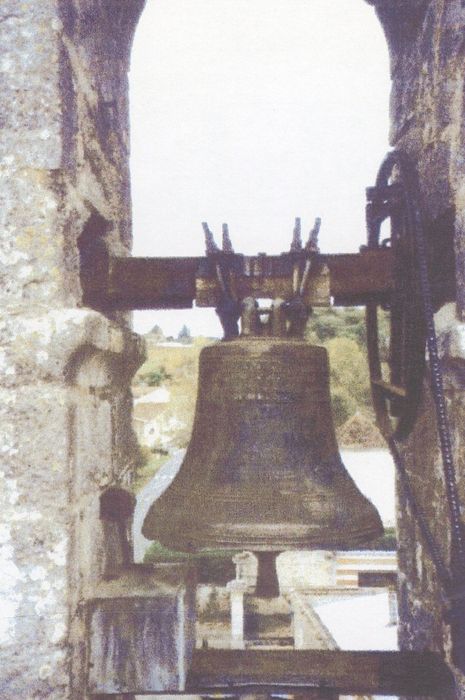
66	369
427	53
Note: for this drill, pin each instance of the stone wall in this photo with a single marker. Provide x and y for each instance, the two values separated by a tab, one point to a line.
65	369
427	51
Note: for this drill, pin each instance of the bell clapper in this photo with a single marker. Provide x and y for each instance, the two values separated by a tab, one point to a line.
267	576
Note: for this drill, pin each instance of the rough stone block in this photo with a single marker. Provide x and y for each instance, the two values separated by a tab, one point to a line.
142	631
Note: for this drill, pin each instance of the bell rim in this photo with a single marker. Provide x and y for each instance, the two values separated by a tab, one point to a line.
203	540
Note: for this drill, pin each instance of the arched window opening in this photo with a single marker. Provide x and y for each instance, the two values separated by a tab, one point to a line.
253	112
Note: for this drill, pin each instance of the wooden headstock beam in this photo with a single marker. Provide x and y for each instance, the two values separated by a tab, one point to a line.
386	672
123	283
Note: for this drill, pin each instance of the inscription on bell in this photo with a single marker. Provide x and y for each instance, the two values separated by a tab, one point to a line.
277	397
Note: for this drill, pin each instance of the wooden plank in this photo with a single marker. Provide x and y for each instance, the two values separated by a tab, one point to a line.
390	389
384	672
152	283
277	287
377	579
161	283
358	278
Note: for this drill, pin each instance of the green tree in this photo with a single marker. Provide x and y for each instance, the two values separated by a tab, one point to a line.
325	324
184	335
156	377
349	371
343	406
156	334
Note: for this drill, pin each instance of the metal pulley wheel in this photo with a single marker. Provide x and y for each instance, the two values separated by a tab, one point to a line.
396	398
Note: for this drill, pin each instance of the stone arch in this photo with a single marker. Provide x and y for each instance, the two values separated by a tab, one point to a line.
278	150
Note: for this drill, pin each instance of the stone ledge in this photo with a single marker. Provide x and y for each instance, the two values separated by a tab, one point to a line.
50	346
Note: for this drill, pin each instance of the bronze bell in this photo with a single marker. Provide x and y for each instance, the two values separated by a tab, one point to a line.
262	471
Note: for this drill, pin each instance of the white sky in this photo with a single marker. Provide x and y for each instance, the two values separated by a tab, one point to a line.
253	112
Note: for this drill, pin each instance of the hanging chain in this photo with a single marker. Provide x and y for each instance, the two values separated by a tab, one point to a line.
452	580
434	551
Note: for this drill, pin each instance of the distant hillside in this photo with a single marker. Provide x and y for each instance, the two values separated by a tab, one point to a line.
164	425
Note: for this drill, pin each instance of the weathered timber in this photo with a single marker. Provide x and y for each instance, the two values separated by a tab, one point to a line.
390	672
390	390
358	278
318	291
141	630
151	283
